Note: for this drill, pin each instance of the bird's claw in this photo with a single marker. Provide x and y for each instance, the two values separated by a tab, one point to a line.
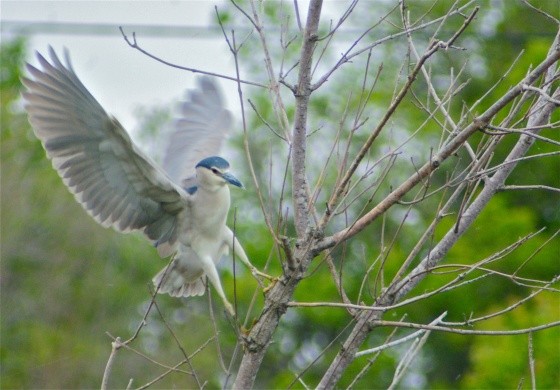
256	273
270	286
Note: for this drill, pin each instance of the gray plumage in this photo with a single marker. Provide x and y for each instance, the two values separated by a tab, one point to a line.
182	210
199	131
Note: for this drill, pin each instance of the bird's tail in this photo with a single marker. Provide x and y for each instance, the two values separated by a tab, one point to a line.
173	282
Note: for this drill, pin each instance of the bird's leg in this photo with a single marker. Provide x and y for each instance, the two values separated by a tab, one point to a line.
210	270
240	252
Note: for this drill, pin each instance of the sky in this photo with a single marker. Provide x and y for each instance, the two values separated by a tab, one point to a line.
120	77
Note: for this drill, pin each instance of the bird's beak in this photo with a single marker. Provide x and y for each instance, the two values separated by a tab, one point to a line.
232	180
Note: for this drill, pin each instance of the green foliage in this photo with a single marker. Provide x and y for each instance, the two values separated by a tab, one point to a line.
12	60
493	42
512	351
66	281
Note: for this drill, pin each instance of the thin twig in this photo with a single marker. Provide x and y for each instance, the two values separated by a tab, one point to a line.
235	52
180	346
447	150
468	331
532	363
391	344
431	50
134	44
115	346
529	187
371	361
174	368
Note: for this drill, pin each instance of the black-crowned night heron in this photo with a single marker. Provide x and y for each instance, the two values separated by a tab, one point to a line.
181	208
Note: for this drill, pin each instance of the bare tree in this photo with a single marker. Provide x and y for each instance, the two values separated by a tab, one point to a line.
323	216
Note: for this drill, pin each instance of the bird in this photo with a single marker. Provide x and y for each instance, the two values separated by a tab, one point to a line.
181	206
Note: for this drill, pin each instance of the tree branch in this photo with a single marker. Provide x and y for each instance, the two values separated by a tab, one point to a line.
260	336
366	321
446	151
299	147
134	44
431	50
493	185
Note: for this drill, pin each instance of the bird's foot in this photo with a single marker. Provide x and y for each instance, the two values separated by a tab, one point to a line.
256	273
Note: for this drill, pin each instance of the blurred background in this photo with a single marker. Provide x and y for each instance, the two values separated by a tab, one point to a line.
66	283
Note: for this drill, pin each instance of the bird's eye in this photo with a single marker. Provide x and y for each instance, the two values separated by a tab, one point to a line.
215	171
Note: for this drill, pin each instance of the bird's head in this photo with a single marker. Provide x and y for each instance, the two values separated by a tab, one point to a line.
214	172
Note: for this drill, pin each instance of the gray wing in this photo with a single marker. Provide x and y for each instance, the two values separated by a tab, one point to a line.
199	132
108	175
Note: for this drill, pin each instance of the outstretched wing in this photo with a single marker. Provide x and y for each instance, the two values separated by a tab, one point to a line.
109	176
199	132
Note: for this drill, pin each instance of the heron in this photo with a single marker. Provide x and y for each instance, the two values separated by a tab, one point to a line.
180	207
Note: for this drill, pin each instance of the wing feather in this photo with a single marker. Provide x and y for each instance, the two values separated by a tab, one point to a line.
109	176
199	131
